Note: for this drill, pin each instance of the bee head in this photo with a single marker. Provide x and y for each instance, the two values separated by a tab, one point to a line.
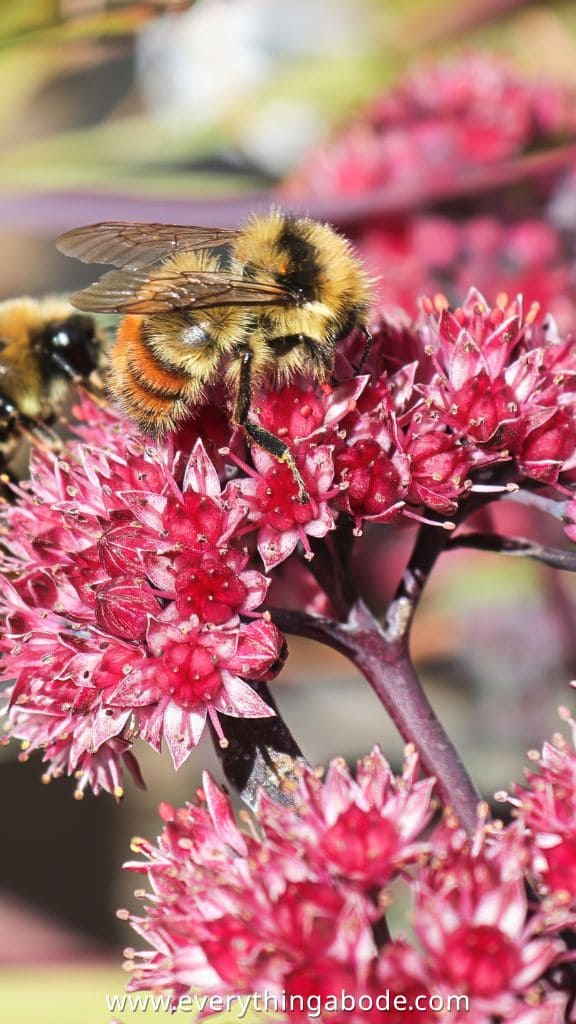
71	346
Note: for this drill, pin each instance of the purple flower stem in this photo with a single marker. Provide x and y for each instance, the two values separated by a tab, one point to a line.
386	665
534	499
519	547
262	753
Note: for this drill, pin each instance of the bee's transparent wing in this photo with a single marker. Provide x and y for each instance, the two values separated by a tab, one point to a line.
134	245
163	290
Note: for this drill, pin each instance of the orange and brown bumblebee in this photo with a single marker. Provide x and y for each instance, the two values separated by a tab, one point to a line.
46	346
256	305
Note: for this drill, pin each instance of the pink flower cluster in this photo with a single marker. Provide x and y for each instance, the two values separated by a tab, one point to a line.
129	607
546	806
440	121
131	585
504	387
431	252
449	128
296	904
488	396
455	401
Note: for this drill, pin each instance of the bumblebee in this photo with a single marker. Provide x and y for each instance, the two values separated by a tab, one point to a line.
46	346
256	305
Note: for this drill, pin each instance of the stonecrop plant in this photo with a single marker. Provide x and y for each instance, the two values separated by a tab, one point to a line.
149	591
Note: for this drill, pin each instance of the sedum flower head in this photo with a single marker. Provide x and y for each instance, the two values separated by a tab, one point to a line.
295	904
442	119
129	609
276	907
474	922
503	383
471	125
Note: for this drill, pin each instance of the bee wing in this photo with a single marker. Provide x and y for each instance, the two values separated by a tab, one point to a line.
137	291
126	244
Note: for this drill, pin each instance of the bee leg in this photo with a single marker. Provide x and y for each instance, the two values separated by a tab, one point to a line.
39	435
263	438
10	431
368	339
13	426
6	478
65	366
13	423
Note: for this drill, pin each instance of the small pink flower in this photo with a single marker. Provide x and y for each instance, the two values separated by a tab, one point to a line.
123	607
439	471
548	444
375	489
364	829
547	807
284	519
472	919
211	587
300	415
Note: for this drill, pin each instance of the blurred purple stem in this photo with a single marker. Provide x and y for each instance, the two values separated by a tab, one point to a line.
50	213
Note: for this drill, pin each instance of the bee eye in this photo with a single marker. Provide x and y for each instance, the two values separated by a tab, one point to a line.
70	346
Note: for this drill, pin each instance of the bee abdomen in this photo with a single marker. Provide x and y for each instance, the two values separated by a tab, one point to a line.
149	387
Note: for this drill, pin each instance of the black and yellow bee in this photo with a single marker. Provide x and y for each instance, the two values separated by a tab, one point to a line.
45	347
256	305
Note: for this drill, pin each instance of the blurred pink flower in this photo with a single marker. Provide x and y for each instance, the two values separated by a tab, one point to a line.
441	119
425	157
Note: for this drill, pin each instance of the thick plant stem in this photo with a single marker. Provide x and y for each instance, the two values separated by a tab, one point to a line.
387	667
389	670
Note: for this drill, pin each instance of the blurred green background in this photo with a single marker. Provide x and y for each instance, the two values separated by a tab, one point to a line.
195	113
